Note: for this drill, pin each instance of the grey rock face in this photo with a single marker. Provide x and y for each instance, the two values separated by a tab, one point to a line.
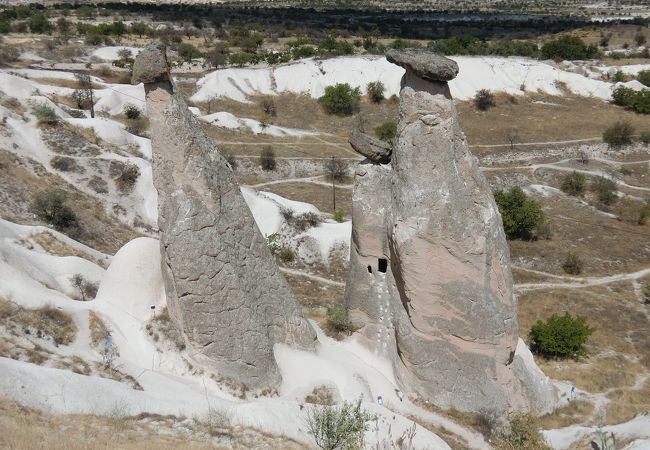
223	287
151	65
374	149
430	281
423	64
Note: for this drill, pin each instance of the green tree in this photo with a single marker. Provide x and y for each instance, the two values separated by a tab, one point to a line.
484	99
340	99
187	52
267	158
618	134
574	184
339	428
560	336
568	48
618	77
376	91
572	264
521	215
38	23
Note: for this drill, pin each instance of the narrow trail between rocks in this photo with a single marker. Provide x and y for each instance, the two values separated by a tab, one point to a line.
311	276
577	282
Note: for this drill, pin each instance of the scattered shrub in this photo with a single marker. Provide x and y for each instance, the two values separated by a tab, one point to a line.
618	77
339	428
97	328
45	114
484	100
131	111
47	320
560	336
304	221
618	135
572	264
267	158
521	215
605	189
644	77
376	91
338	320
268	107
286	254
522	432
644	138
569	48
127	179
338	216
637	101
50	206
64	164
386	131
340	99
187	52
646	293
574	184
164	324
272	242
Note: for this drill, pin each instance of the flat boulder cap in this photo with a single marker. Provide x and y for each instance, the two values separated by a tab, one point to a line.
426	65
150	65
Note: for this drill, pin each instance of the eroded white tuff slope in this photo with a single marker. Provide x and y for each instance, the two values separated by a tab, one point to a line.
223	286
430	278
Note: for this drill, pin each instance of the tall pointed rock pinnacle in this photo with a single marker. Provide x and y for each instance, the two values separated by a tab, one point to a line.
223	287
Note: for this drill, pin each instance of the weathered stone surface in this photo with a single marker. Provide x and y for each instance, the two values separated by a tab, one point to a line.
222	284
374	149
443	307
424	64
151	65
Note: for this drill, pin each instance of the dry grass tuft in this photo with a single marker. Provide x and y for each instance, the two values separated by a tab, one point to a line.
98	329
44	321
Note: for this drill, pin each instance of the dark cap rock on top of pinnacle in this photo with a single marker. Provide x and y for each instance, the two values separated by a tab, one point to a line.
426	65
151	65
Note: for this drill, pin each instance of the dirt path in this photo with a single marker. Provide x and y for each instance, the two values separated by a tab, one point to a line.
311	276
578	282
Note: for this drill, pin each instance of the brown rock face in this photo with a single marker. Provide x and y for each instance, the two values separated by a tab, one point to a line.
430	278
222	284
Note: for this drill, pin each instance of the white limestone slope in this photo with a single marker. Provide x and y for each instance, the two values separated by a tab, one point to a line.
514	75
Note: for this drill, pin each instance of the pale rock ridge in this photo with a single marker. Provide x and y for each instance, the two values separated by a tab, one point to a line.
223	286
430	281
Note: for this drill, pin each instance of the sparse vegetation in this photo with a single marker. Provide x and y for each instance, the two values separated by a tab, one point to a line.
97	329
618	135
338	320
286	254
339	427
127	179
560	336
521	215
340	99
522	432
45	114
605	189
162	324
569	48
44	321
131	112
268	107
64	164
267	158
304	221
51	207
339	216
644	77
574	184
336	169
637	101
484	100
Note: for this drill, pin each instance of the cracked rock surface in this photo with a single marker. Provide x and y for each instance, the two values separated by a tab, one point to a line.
223	287
430	280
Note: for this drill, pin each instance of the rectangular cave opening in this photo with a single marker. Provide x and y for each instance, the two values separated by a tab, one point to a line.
382	265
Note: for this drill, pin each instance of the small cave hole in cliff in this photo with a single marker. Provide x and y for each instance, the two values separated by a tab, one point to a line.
369	269
383	265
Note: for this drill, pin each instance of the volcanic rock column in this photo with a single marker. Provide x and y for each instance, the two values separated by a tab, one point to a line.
223	286
444	309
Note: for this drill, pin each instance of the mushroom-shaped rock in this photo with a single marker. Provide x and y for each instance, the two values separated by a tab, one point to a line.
424	64
151	65
374	149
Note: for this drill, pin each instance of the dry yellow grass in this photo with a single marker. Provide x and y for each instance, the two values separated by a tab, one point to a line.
576	412
47	320
54	246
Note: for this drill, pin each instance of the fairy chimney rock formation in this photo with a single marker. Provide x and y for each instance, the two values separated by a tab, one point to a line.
430	281
223	286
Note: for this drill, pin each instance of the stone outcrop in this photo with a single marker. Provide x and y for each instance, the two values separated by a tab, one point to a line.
372	148
223	287
430	281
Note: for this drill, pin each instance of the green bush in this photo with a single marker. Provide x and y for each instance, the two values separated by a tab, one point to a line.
339	428
572	264
637	101
267	158
187	52
338	320
644	138
644	77
286	254
45	114
560	336
131	112
386	131
50	206
340	99
522	432
574	184
127	179
338	216
618	134
521	216
568	48
618	77
605	189
376	91
39	24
